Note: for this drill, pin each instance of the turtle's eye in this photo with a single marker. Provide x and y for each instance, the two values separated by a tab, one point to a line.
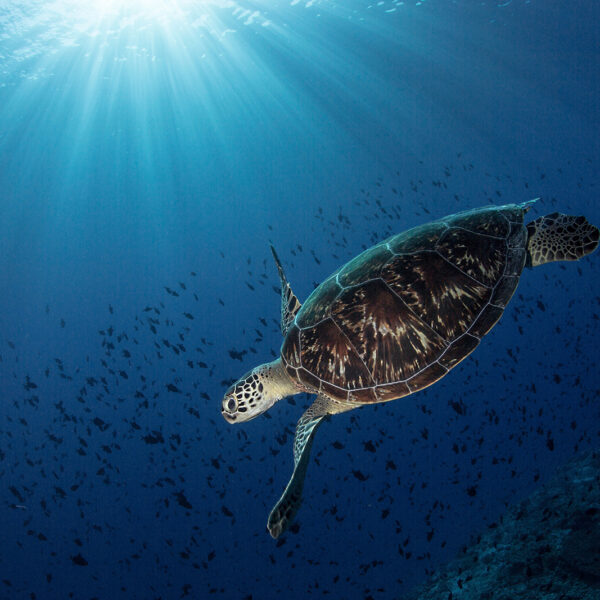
231	404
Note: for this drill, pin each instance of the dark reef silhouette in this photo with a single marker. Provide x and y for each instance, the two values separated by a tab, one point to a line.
544	548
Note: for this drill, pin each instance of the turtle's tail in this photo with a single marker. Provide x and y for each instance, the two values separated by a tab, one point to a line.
559	237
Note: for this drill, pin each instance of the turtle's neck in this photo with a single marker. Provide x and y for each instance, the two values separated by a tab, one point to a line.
276	379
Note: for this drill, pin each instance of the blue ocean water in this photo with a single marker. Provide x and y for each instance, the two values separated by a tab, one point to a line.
149	153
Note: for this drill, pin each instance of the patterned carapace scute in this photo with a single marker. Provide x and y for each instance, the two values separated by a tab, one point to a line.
403	313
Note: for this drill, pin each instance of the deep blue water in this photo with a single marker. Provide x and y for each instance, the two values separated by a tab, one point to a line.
149	152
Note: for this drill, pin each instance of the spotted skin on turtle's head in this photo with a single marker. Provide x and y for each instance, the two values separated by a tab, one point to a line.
256	392
241	399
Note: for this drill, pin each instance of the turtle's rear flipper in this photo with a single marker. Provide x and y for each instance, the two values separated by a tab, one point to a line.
559	237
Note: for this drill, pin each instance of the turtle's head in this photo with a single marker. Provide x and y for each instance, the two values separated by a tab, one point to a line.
256	392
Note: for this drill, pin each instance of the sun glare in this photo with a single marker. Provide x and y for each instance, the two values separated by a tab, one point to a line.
147	9
69	22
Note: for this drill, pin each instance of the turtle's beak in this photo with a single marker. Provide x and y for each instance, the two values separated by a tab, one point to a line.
229	418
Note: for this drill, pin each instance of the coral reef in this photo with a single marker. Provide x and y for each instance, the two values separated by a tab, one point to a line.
545	548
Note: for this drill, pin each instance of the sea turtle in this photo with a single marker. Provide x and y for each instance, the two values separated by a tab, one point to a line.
397	318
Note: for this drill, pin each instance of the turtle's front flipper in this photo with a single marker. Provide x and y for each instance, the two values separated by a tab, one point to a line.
559	237
290	304
282	514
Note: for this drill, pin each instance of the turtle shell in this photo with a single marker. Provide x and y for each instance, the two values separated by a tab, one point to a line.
400	315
